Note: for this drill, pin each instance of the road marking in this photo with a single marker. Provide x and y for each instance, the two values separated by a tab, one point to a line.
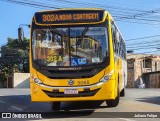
17	108
126	119
2	101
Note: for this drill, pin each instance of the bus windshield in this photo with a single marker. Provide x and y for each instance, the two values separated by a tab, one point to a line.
74	46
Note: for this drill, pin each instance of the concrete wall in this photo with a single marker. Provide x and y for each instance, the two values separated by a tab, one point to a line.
1	84
137	67
130	73
21	80
130	78
152	79
134	72
137	72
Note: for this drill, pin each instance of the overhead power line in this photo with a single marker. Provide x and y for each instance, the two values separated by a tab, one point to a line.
98	5
142	19
119	10
141	23
31	3
43	5
51	6
143	37
148	47
148	52
142	43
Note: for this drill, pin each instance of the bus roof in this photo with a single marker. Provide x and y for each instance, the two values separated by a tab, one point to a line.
71	9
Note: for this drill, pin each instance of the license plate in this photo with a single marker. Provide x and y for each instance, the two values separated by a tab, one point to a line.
71	91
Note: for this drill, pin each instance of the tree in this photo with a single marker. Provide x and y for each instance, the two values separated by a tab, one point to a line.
14	57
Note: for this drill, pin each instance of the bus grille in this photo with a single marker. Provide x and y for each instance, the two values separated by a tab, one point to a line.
80	94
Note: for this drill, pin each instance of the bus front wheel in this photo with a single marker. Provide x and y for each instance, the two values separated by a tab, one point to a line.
55	106
115	102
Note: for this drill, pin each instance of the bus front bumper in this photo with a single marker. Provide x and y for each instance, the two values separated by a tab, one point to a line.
98	91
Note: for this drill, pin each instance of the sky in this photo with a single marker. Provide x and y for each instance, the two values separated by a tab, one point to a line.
146	11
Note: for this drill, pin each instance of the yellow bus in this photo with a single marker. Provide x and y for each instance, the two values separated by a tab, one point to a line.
76	55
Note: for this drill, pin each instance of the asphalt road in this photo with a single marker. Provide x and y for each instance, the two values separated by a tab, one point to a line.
136	100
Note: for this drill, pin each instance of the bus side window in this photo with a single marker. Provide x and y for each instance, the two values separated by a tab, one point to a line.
117	42
121	47
124	51
114	37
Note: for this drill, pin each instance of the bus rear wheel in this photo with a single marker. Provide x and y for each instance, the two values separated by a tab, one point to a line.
115	102
55	106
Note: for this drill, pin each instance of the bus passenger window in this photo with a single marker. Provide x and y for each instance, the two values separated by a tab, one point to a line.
113	39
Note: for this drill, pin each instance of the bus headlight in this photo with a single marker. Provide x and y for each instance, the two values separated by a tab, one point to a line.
106	77
37	81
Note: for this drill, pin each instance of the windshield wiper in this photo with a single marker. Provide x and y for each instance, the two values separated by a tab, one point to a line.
54	31
84	32
82	36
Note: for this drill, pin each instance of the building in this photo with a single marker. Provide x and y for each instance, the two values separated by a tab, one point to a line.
139	65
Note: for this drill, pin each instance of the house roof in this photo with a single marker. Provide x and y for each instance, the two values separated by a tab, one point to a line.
140	56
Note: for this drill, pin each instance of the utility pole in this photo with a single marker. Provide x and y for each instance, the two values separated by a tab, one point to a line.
21	32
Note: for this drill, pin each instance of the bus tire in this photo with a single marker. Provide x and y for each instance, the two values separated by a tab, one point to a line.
55	106
115	102
122	93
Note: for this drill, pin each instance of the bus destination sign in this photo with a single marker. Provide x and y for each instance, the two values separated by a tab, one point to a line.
60	17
